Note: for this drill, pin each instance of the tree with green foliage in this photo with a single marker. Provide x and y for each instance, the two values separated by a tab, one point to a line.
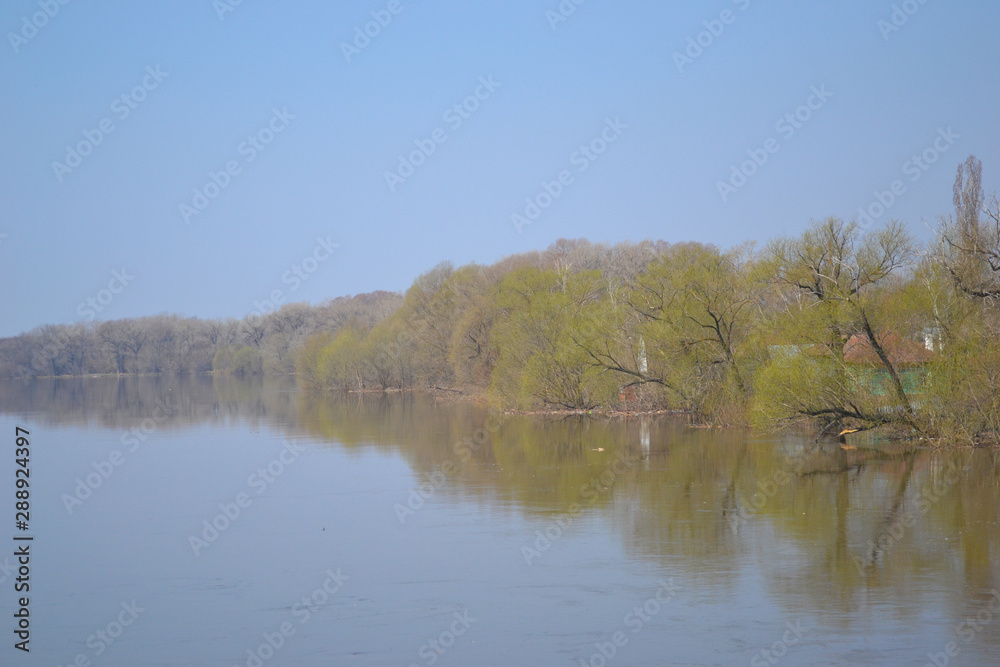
247	361
841	287
697	308
540	313
340	364
307	359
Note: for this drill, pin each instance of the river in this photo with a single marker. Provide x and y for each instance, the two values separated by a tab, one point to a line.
216	521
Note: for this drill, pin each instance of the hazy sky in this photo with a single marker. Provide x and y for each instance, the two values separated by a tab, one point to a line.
246	139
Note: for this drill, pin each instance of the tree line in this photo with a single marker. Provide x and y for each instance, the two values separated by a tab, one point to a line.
849	327
182	345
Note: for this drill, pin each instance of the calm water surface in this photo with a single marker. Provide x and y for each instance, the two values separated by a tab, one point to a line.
401	531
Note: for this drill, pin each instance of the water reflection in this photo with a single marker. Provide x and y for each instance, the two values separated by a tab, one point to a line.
110	402
839	532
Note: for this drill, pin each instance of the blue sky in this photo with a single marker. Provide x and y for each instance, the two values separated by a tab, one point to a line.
328	127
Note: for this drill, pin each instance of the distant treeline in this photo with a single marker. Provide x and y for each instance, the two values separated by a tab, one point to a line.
851	327
174	344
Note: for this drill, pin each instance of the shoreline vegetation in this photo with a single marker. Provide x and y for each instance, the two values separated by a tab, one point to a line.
848	327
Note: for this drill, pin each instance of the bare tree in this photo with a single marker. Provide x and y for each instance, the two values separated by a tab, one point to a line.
134	338
112	338
970	240
162	335
253	329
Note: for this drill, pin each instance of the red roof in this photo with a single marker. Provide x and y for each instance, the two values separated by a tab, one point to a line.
901	351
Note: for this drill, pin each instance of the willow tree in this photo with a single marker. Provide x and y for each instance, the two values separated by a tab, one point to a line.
842	294
695	308
339	364
470	353
429	311
544	320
